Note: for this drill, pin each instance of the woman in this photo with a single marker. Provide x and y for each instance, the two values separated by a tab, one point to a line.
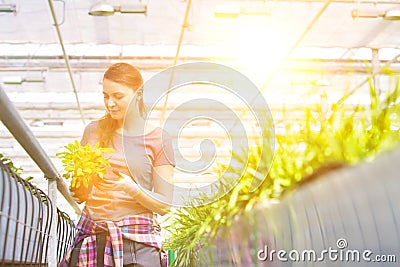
118	225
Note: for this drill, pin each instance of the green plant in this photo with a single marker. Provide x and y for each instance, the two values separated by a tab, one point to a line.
17	170
344	134
84	163
26	182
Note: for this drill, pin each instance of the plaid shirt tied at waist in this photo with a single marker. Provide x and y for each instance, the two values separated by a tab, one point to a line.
141	228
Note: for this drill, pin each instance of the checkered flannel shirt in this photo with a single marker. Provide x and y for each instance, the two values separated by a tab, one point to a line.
141	228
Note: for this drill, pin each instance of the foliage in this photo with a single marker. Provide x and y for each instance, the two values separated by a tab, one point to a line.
26	182
17	170
83	163
343	134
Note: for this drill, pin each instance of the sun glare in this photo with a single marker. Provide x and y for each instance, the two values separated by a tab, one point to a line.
260	46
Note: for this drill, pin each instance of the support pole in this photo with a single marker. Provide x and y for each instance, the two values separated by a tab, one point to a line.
376	70
53	240
21	132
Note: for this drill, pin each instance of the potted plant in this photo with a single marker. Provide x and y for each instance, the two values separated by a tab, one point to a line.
83	165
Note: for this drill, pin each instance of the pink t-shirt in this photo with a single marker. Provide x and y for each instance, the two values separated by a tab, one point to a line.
142	153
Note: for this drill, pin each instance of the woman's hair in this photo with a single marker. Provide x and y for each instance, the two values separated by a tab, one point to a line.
126	75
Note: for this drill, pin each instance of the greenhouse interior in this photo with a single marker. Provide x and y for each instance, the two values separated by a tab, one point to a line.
276	142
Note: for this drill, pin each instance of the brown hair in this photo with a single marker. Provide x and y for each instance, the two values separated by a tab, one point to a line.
126	75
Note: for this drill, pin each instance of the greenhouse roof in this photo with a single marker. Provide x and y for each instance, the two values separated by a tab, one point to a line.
311	23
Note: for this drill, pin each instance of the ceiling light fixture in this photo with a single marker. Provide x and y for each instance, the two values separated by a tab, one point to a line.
233	11
393	14
227	11
106	9
8	8
41	123
366	13
21	80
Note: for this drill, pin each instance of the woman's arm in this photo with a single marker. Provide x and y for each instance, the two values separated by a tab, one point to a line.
160	200
157	201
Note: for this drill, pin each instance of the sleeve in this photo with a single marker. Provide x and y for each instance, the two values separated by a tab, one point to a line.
86	133
165	155
84	137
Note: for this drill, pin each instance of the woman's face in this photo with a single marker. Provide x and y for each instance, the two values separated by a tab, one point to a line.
117	98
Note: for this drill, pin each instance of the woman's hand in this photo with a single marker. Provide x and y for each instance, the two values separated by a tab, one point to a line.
123	183
81	193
